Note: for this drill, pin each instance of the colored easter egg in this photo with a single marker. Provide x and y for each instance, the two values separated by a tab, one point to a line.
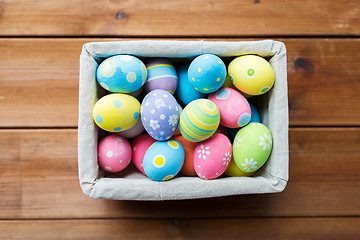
160	114
163	160
251	74
255	117
114	153
233	107
189	148
161	75
199	120
212	156
121	74
207	73
116	112
234	171
252	147
139	147
134	131
185	92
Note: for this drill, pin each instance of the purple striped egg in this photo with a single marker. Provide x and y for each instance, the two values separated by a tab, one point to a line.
161	74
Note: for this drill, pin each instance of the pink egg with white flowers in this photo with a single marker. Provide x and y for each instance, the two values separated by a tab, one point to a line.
114	153
212	156
233	107
139	147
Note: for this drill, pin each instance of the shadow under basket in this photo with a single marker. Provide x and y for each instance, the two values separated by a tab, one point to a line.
131	184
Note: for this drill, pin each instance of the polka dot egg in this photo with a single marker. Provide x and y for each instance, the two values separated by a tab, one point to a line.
116	112
114	153
121	74
207	73
161	75
163	160
251	74
199	120
160	114
234	108
252	147
212	157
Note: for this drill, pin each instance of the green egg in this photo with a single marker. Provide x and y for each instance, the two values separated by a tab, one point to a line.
252	147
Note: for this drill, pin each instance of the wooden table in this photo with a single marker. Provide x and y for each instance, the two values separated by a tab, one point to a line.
40	44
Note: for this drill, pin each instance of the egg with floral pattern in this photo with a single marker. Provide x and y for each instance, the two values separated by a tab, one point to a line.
121	74
252	147
163	160
160	114
116	112
212	156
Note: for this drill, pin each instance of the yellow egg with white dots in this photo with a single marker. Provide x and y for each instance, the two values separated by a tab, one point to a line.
116	112
251	74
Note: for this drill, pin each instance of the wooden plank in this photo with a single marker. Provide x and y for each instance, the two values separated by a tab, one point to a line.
39	81
245	228
38	179
179	18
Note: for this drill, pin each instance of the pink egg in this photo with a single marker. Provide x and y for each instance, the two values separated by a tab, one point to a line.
233	107
139	147
212	156
114	153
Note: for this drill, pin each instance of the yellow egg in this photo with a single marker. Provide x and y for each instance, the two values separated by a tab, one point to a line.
234	171
251	74
116	112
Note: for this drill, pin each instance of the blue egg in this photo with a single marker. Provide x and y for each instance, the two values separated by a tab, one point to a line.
185	92
255	117
163	160
207	73
160	114
121	74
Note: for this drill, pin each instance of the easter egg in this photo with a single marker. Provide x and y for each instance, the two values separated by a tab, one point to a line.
134	131
116	112
114	153
185	92
255	117
189	148
161	75
251	74
139	146
163	160
234	171
121	74
212	157
252	147
199	120
207	73
160	114
233	107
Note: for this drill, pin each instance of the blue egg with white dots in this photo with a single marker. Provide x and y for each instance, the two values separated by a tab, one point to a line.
255	117
163	160
185	92
207	73
121	74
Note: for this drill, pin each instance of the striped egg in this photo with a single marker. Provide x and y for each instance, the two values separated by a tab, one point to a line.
161	75
199	120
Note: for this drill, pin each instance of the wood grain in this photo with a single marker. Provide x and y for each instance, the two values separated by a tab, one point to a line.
245	228
38	179
39	82
179	18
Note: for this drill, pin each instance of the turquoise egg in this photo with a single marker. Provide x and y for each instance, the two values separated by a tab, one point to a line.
207	73
121	74
185	92
163	160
